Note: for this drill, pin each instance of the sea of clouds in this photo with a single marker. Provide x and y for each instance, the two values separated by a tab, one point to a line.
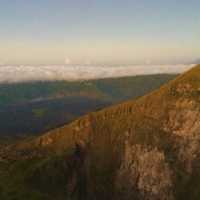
13	74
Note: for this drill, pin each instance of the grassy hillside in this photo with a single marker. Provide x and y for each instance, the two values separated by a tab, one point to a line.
112	88
30	108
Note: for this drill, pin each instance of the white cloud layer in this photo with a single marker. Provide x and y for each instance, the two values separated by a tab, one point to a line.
11	74
67	61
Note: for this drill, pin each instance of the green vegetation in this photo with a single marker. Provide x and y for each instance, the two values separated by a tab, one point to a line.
32	108
49	173
114	89
39	113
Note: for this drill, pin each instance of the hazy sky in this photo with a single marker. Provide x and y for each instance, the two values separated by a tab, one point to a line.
99	31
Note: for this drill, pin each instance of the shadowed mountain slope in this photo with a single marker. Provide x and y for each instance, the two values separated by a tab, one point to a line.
147	148
37	107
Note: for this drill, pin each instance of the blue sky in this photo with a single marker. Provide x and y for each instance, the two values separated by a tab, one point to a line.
99	31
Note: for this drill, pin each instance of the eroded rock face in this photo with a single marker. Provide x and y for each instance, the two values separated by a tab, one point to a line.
183	123
188	151
184	88
183	118
145	173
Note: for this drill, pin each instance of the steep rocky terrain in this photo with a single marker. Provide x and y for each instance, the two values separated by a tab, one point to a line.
147	148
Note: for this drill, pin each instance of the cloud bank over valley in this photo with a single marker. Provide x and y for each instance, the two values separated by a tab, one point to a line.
14	74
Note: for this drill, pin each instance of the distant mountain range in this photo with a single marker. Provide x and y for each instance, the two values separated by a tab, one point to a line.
145	148
35	107
197	61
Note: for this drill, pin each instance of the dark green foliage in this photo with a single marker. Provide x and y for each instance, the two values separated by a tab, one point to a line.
30	108
112	88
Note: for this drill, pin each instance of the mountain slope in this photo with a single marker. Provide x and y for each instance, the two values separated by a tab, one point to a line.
37	107
147	148
109	88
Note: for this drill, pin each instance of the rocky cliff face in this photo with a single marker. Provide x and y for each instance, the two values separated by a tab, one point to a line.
144	149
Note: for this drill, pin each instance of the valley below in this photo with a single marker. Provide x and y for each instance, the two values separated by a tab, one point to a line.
32	108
